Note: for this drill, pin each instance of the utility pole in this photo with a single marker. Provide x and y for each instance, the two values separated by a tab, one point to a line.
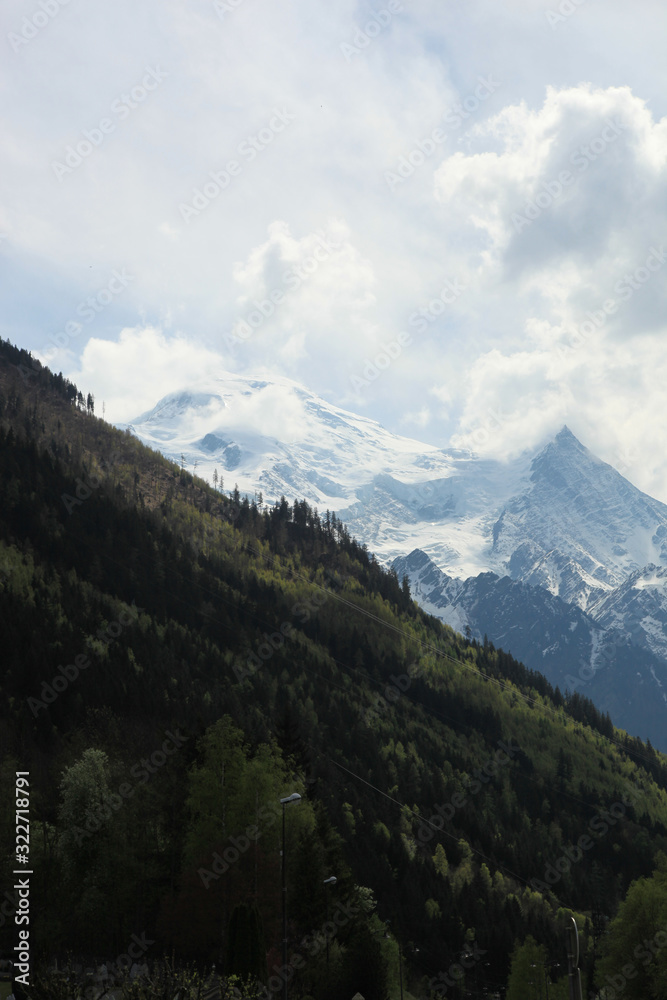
294	797
328	882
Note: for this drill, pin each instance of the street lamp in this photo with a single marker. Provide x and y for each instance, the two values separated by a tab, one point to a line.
328	882
573	971
294	797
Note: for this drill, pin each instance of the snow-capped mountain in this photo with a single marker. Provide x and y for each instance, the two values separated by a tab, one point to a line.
574	650
598	528
571	555
638	606
276	437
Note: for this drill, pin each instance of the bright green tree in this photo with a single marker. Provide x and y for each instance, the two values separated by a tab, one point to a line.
635	949
527	970
233	840
91	843
440	861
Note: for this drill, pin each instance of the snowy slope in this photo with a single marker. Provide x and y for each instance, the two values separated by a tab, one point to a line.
562	519
277	437
638	607
573	650
581	528
514	543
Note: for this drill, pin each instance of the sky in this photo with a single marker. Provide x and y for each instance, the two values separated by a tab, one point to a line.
447	215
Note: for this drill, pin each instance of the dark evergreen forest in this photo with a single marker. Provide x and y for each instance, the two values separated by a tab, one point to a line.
176	659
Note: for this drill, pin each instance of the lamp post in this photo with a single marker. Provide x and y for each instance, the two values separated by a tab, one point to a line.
328	882
573	971
294	797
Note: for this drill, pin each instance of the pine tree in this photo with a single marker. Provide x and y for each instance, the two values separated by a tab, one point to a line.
440	862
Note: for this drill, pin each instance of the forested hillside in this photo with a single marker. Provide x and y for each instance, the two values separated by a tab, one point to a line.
176	659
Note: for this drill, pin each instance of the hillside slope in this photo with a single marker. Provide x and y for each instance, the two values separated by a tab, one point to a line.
559	521
440	774
577	651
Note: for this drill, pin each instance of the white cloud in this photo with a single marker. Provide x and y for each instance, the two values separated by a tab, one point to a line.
418	418
516	401
576	262
131	374
517	337
573	196
300	299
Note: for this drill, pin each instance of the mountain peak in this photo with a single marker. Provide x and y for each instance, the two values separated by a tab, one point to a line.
565	438
563	452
